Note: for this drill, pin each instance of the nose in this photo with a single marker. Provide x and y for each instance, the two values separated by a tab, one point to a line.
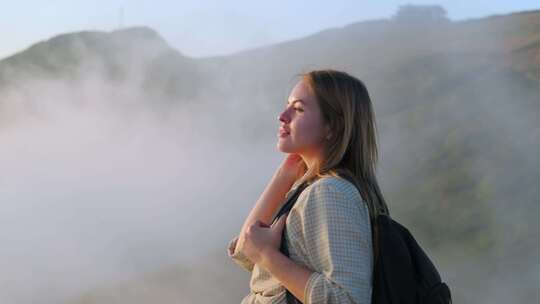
283	117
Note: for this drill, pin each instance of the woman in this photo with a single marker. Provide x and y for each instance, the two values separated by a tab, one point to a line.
328	126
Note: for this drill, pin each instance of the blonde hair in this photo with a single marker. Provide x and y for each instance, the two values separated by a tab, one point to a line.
352	148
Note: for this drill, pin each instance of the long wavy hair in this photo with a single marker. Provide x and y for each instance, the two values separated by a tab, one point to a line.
352	149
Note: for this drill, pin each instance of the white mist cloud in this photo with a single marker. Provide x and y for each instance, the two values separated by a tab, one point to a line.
100	185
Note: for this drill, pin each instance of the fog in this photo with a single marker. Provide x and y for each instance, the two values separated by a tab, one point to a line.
493	128
99	187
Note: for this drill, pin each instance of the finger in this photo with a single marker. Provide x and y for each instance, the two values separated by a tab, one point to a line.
254	226
259	223
265	225
280	222
274	223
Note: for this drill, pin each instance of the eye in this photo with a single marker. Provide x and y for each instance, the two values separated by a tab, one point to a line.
299	109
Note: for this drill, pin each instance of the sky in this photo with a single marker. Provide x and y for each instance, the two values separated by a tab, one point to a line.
208	28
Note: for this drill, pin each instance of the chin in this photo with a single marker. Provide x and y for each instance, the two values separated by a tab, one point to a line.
283	147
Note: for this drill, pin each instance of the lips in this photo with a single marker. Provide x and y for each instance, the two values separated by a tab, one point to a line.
283	131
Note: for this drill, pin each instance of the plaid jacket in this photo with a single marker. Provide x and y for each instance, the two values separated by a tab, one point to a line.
328	230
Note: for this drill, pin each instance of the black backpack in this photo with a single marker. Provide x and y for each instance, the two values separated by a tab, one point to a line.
403	273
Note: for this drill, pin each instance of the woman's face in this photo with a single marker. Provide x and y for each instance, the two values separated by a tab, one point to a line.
302	130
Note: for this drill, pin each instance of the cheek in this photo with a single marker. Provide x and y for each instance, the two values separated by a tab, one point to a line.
308	131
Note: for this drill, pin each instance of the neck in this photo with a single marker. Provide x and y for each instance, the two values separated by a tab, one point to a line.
310	159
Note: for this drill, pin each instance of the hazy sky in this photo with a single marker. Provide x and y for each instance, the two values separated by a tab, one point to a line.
204	28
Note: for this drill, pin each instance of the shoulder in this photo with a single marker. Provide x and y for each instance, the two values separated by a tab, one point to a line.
335	184
331	189
331	204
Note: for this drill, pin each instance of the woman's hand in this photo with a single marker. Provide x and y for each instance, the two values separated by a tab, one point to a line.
259	239
292	167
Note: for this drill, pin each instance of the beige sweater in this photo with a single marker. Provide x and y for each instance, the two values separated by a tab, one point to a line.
328	231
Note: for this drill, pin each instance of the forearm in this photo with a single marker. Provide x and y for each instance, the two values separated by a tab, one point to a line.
292	276
269	201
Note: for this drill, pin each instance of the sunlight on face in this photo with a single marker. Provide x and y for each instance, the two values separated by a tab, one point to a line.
303	121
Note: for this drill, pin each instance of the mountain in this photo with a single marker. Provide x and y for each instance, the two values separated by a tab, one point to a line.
117	56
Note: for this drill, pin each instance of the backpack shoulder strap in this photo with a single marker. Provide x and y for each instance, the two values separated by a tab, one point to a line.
285	208
289	202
